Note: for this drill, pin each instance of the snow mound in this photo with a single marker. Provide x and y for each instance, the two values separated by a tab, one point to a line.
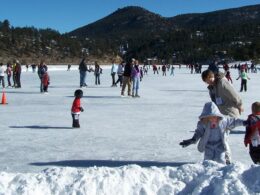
202	178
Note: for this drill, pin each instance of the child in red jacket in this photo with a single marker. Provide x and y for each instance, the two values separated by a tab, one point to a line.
76	108
45	82
252	136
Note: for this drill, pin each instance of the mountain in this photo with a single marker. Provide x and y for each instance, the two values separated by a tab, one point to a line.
227	17
231	34
138	20
124	23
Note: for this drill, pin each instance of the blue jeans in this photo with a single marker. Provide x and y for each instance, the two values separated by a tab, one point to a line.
83	75
136	81
97	79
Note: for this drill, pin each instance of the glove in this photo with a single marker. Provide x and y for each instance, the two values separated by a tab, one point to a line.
245	123
81	109
187	142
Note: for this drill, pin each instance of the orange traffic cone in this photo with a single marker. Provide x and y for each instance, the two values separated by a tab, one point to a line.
4	98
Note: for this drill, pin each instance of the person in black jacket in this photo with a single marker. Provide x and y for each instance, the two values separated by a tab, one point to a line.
42	69
127	78
97	72
83	68
18	71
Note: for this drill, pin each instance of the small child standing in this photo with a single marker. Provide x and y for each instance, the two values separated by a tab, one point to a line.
76	108
244	77
45	82
252	136
212	131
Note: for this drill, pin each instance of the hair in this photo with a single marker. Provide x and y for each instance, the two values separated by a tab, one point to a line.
256	107
78	93
205	74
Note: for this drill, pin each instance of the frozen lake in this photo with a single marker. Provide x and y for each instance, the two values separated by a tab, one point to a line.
36	128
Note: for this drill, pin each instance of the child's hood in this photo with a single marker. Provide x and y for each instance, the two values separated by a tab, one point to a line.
210	109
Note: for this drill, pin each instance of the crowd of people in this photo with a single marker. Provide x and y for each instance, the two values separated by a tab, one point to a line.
14	70
219	116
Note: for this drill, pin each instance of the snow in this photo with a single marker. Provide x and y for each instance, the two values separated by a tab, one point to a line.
124	145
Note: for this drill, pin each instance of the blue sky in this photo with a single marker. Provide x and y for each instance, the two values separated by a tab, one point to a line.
67	15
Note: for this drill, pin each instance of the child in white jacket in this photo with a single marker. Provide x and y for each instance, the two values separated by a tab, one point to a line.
212	131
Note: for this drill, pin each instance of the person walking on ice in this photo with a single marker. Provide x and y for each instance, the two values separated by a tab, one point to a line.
172	70
76	108
211	132
45	81
244	77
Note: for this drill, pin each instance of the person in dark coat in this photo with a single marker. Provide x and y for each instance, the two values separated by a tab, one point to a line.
18	71
42	69
127	78
83	68
97	72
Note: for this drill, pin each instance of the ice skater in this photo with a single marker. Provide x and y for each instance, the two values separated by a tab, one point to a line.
45	82
172	70
244	77
76	108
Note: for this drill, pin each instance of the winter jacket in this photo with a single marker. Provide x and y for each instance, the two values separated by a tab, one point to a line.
97	70
128	70
163	68
135	72
2	71
225	97
9	71
45	79
243	76
83	66
75	109
41	70
203	131
18	68
252	135
120	69
113	69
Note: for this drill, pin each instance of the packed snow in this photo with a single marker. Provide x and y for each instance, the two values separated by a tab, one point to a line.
124	145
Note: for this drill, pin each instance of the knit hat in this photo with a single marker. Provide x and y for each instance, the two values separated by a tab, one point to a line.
210	109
